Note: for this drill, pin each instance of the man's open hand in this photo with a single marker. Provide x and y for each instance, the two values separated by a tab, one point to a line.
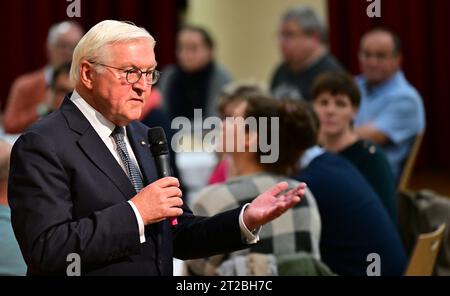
269	206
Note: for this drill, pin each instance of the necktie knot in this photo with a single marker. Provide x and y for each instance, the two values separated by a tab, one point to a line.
118	133
132	171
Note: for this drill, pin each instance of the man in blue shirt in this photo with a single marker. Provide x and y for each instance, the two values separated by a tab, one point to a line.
391	111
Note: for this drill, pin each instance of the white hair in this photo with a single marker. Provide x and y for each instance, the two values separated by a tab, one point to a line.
103	34
59	29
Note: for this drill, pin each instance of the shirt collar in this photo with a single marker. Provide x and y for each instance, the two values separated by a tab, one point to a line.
384	85
309	155
101	125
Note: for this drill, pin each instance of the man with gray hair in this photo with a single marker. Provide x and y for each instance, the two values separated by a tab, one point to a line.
83	181
30	90
303	44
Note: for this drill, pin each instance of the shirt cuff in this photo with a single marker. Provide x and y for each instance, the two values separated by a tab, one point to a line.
248	236
140	222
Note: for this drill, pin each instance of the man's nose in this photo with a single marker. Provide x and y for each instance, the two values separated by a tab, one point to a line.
142	84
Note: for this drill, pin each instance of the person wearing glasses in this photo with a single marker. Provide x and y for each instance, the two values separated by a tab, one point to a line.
195	81
303	45
391	112
83	187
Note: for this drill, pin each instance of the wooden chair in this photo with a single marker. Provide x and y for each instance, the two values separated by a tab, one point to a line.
403	184
425	252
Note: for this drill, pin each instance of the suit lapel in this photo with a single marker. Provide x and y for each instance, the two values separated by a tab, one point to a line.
140	146
95	149
100	155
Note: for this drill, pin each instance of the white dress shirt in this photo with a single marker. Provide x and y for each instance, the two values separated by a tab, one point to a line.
104	128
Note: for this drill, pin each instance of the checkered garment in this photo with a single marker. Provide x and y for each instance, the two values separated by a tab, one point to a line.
297	230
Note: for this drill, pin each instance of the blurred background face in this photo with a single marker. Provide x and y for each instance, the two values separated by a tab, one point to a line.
335	113
296	46
230	129
62	87
192	52
61	49
377	57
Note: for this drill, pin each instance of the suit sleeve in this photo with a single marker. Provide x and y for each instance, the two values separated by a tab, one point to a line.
197	237
39	193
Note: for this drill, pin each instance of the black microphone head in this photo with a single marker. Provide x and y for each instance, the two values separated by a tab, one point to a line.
158	141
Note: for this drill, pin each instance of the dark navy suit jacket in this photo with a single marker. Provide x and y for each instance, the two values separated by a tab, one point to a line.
68	195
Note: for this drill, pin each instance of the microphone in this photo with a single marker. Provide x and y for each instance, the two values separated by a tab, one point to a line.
160	151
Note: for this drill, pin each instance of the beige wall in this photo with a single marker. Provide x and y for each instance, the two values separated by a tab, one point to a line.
245	32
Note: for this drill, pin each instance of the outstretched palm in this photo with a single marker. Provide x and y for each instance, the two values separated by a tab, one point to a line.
269	205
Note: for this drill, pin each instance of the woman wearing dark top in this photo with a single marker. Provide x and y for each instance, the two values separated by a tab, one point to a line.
336	100
196	80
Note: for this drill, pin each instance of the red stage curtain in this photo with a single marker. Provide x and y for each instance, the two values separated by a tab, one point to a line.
423	27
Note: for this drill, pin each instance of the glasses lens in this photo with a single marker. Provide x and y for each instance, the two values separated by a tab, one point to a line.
155	76
133	76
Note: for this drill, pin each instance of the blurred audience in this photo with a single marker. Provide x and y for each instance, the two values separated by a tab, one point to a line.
354	222
195	81
11	260
299	229
391	113
336	100
60	86
30	90
303	44
228	101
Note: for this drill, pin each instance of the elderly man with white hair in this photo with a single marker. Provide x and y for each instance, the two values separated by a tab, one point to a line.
83	181
30	90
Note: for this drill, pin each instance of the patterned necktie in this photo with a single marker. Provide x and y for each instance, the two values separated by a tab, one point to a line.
132	170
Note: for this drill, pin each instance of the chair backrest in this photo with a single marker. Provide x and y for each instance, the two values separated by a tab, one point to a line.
405	177
425	252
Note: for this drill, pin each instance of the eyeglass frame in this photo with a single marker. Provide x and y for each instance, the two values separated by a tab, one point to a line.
156	73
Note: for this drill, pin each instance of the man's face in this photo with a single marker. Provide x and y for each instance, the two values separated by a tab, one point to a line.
192	52
112	95
377	57
61	51
295	45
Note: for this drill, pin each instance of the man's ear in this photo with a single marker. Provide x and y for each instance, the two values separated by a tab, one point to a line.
87	74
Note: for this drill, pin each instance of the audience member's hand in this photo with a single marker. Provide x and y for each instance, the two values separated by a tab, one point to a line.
269	206
159	200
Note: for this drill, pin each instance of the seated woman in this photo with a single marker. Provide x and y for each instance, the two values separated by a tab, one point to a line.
336	100
299	229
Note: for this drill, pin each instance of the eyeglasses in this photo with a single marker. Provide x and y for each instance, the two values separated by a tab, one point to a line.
134	74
